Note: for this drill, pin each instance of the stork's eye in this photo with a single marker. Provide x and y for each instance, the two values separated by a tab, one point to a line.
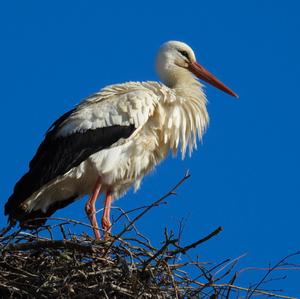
185	54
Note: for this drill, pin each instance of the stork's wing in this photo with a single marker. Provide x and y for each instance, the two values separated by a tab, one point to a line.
95	124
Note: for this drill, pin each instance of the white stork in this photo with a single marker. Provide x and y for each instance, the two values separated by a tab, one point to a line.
108	142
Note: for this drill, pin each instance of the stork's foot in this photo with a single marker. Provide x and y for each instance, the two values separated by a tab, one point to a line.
106	226
105	221
91	213
90	209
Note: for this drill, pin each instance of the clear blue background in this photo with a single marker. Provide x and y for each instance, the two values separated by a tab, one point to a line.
245	175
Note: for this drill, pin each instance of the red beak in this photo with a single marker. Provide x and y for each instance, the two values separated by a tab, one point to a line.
200	72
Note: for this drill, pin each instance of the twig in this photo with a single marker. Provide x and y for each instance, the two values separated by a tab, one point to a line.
195	244
269	271
148	208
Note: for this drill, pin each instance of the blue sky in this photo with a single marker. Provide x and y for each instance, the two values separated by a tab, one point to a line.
245	175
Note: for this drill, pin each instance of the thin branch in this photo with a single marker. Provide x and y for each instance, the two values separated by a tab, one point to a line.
270	271
195	244
148	208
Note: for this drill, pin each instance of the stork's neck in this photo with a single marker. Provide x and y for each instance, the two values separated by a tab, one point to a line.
188	84
190	88
186	115
176	77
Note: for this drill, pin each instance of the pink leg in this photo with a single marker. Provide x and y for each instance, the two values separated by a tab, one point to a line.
106	224
90	208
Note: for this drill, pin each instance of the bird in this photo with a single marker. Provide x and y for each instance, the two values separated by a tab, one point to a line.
112	139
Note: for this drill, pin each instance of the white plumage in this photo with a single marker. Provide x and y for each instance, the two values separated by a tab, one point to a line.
128	160
164	117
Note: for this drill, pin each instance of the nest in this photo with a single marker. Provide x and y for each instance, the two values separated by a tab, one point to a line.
32	266
56	262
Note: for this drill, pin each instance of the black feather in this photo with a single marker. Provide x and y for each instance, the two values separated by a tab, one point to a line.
56	156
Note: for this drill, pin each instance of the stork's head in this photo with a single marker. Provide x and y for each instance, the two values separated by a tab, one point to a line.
176	64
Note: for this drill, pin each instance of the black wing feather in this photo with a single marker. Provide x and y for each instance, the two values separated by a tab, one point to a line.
56	156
